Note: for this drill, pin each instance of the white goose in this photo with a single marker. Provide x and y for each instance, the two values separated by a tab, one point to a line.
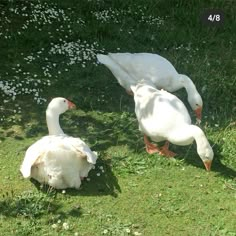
129	68
58	160
162	116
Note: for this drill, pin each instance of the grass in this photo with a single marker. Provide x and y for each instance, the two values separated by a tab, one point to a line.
48	49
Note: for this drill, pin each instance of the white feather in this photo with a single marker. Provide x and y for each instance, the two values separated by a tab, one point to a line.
57	159
162	116
130	68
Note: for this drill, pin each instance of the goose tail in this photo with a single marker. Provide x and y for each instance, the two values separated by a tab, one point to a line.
103	59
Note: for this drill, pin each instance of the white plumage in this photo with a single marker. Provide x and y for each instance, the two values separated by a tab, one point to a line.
129	68
162	116
58	160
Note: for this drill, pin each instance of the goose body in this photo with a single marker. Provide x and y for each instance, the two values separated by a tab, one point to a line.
162	116
57	159
130	68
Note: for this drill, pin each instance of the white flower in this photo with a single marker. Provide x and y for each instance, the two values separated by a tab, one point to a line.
65	226
54	226
137	233
105	231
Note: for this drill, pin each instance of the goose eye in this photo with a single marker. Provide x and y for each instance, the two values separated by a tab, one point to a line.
64	100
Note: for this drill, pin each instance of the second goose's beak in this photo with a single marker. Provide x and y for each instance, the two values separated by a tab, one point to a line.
71	104
198	113
207	165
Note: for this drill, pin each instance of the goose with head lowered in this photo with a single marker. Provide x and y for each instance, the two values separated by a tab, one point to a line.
59	160
129	68
162	116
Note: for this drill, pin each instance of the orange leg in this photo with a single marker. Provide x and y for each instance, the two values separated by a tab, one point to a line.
152	148
165	150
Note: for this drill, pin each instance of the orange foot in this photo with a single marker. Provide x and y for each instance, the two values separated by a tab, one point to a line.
152	148
166	152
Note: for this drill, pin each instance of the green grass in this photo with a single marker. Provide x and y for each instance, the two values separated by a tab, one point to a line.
136	193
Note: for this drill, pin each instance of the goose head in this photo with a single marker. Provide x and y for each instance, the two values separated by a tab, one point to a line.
55	108
206	154
196	104
194	98
59	105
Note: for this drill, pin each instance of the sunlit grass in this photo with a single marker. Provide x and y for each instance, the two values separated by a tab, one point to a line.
48	49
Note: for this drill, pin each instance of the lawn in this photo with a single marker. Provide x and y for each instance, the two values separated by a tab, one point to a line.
48	49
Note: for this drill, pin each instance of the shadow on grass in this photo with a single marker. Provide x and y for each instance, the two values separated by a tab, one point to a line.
33	205
89	94
36	205
27	204
104	132
217	165
104	184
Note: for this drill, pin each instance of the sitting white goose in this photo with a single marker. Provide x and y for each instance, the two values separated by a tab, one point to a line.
162	116
58	160
129	68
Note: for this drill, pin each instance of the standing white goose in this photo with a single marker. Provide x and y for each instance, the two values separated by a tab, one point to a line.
58	160
129	68
162	116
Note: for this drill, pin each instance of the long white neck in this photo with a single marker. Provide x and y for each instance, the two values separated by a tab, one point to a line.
53	124
198	135
203	147
188	84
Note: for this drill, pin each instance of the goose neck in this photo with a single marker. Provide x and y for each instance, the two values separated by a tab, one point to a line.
200	138
188	84
53	124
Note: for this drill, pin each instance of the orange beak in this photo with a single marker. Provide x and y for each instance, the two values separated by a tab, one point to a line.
198	113
207	165
71	104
